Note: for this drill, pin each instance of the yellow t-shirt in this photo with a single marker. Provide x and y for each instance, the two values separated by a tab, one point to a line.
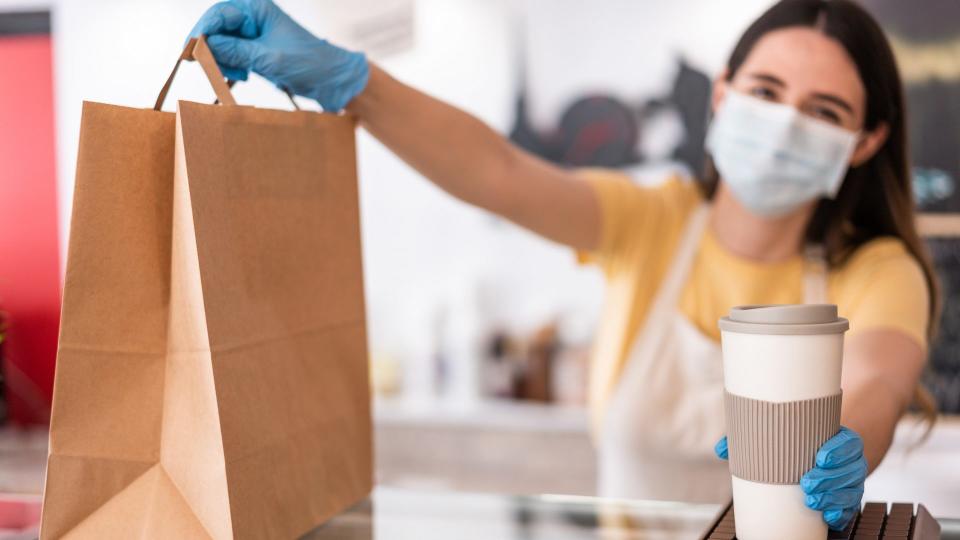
880	285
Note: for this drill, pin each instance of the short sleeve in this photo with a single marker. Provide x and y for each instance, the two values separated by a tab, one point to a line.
885	287
636	219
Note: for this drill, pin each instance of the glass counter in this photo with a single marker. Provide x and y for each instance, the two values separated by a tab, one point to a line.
392	513
402	514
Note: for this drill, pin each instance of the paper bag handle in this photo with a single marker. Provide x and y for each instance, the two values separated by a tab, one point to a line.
197	49
231	82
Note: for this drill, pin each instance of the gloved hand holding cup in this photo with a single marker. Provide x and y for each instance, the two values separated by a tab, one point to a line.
782	398
834	486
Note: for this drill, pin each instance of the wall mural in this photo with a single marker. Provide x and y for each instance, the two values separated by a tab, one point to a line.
604	131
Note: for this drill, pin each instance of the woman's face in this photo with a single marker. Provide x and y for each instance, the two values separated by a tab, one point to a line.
805	69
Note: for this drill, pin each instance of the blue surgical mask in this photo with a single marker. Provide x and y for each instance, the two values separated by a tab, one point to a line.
775	158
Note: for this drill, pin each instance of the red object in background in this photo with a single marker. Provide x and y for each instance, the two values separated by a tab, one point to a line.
29	247
18	514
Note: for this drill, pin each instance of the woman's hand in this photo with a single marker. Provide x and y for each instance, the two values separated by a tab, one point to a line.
834	485
256	35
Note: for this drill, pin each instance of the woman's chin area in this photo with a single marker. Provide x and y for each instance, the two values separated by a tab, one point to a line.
730	205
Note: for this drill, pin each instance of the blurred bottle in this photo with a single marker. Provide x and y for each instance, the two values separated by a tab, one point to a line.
439	355
498	370
535	384
384	374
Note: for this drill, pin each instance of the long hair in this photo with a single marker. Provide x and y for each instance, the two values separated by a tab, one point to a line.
875	198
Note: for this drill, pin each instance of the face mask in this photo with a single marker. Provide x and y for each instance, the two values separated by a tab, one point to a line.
773	157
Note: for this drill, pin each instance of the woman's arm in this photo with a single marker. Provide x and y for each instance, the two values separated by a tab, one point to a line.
881	369
470	161
453	149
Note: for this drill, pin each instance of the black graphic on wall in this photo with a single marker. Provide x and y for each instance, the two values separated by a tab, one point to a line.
943	375
603	131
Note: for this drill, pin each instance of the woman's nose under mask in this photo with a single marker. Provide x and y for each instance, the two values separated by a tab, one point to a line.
773	157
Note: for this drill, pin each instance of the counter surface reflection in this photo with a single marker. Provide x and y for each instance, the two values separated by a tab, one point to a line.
401	514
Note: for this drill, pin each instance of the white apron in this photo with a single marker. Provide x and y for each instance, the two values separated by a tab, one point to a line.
666	411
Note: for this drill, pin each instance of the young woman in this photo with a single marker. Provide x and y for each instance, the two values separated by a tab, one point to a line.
809	201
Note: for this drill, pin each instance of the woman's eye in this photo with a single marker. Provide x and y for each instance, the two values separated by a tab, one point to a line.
826	114
763	92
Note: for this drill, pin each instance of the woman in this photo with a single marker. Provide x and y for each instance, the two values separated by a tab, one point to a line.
810	201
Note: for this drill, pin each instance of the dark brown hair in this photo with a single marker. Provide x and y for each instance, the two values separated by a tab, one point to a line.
876	198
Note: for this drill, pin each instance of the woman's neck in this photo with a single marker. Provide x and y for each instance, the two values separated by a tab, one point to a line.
754	237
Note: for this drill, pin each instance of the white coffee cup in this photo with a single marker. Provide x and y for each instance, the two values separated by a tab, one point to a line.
781	370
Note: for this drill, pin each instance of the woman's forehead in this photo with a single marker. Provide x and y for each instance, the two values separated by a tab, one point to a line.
807	62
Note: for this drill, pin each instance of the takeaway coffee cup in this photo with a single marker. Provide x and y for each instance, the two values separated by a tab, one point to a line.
781	372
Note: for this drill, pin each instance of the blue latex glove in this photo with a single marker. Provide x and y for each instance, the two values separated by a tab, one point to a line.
834	485
256	35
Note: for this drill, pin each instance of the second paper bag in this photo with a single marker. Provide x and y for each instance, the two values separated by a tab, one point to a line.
266	337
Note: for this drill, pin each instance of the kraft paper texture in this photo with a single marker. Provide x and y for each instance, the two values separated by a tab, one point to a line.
212	371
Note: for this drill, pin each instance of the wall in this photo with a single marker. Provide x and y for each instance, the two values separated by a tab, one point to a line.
430	261
422	249
627	48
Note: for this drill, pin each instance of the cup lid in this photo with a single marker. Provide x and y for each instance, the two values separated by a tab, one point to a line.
785	319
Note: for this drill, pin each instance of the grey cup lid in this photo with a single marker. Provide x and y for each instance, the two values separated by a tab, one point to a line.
785	319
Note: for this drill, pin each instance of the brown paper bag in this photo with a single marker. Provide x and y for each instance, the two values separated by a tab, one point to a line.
212	376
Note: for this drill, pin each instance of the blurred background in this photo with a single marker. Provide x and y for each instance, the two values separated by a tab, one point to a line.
479	331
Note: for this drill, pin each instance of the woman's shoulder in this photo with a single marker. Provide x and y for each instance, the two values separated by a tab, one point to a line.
879	252
882	266
882	285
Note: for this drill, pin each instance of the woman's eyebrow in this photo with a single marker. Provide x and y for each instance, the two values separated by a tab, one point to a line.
836	100
772	79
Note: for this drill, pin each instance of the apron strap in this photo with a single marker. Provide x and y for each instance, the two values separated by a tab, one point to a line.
664	302
814	275
676	277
